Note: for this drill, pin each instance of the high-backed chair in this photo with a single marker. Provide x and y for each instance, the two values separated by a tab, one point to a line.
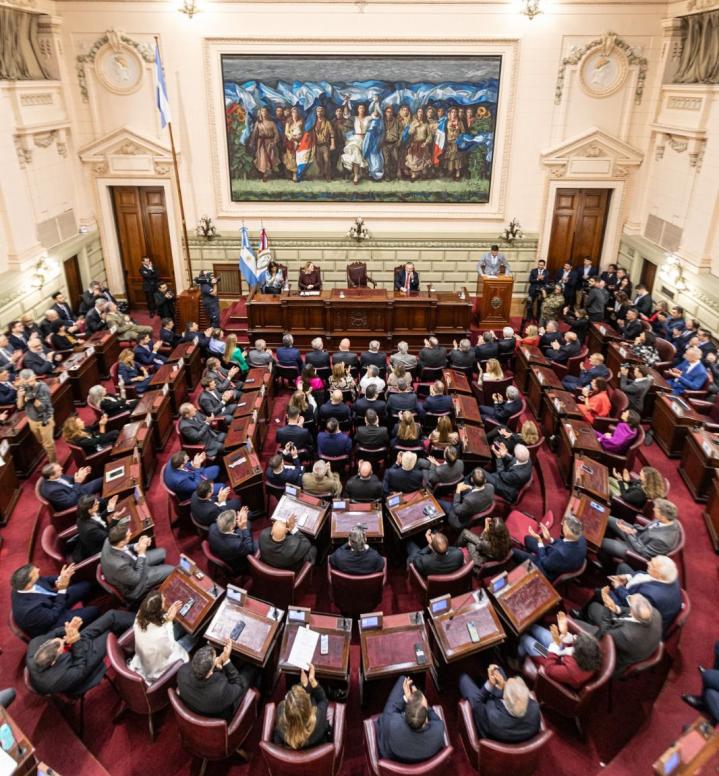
96	461
433	585
277	586
383	767
191	448
667	353
177	510
286	374
490	387
619	402
354	594
63	519
221	569
357	276
519	523
114	422
66	700
109	588
641	666
627	459
492	758
130	391
377	456
490	568
674	632
512	422
574	362
503	506
563	580
446	489
136	695
53	546
208	738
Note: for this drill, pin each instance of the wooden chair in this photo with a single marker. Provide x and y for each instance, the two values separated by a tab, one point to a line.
433	585
357	276
354	594
277	586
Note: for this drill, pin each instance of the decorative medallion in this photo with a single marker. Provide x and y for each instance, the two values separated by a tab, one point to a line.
496	302
119	69
603	69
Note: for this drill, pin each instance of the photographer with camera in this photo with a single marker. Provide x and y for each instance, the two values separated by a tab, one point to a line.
207	283
34	397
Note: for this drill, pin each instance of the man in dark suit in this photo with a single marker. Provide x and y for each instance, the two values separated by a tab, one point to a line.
373	356
40	604
288	353
659	537
554	557
164	299
502	708
470	498
550	334
404	476
41	362
345	356
371	435
369	401
486	348
146	352
437	402
538	281
211	686
10	356
231	539
284	548
16	336
195	428
64	491
507	342
357	557
568	279
365	485
708	702
587	373
192	333
643	300
168	335
182	477
436	557
280	473
294	432
333	442
205	508
8	392
630	327
62	308
503	409
214	403
596	300
562	352
409	731
513	472
318	357
404	398
432	354
95	317
704	343
609	276
335	408
462	356
406	280
586	271
67	660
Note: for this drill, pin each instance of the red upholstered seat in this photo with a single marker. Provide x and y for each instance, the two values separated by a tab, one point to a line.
277	586
354	594
519	523
459	581
53	545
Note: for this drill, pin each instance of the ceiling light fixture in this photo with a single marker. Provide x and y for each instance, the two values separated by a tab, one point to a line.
189	8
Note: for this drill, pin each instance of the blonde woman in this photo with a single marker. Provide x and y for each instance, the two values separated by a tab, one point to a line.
233	353
302	715
90	438
341	380
300	400
528	436
398	372
407	432
492	371
131	374
443	434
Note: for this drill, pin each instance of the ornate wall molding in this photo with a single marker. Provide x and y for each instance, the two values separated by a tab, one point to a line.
30	100
677	102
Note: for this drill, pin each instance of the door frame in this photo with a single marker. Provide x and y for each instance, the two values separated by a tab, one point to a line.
612	233
113	258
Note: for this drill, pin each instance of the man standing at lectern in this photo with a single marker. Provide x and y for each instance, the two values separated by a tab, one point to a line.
490	262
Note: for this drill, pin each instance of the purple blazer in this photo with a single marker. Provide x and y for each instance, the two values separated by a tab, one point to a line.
620	441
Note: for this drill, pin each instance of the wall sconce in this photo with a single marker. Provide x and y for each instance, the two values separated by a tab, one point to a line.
358	231
44	270
531	8
189	8
672	272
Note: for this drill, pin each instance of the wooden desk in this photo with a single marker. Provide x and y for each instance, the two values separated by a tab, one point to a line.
525	356
450	628
454	310
61	396
174	377
244	476
259	378
24	449
466	410
310	511
107	350
495	299
456	382
600	335
407	512
558	405
593	514
9	485
348	514
711	511
84	373
540	379
389	650
137	509
158	405
259	636
659	386
240	431
699	461
181	586
576	437
526	598
137	436
257	407
23	752
189	353
593	477
619	353
475	447
333	665
125	484
672	419
695	752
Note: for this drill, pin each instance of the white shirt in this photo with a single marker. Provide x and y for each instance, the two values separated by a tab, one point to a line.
155	651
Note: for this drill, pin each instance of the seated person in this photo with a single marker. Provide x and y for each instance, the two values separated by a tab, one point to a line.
621	439
205	506
567	658
134	569
449	469
156	648
196	429
306	407
436	557
409	731
644	347
294	432
470	498
462	356
371	435
226	379
530	338
131	373
146	352
554	557
513	472
549	334
310	278
594	401
637	490
10	356
333	442
183	477
260	355
630	327
280	473
690	375
217	345
442	434
372	378
494	543
507	342
708	702
91	439
403	357
404	398
404	476
8	392
216	404
60	337
487	347
68	660
528	435
346	356
109	403
335	408
231	539
41	362
373	356
492	371
41	604
235	355
502	410
562	352
302	715
288	354
365	485
274	279
126	328
502	708
168	335
341	380
285	548
659	537
369	401
587	372
63	491
318	356
356	556
211	686
637	386
398	372
437	402
432	355
322	480
309	381
94	519
406	280
407	432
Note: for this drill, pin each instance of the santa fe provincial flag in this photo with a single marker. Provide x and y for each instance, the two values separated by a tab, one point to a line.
163	104
249	266
264	256
439	139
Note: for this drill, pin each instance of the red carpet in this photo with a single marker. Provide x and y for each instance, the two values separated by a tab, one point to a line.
124	748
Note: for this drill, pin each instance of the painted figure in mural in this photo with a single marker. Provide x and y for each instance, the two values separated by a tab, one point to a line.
391	144
264	141
294	129
352	157
419	153
405	119
342	125
324	144
453	158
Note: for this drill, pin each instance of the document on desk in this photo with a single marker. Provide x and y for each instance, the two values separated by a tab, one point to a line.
303	648
8	764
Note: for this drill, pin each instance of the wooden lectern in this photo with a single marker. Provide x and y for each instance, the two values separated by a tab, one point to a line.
494	293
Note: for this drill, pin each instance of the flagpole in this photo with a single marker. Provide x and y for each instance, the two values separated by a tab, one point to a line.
179	191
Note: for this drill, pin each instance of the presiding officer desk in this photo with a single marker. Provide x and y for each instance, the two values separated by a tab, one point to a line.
362	313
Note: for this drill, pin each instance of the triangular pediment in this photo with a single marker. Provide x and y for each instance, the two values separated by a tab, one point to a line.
592	153
126	151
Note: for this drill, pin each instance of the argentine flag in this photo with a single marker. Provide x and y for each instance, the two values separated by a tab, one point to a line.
253	271
163	104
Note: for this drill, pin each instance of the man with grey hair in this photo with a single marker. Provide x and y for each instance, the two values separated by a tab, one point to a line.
658	537
34	397
432	355
322	480
554	557
195	428
373	356
288	353
562	352
231	539
318	356
403	356
462	356
404	398
372	377
512	473
357	557
503	709
502	409
404	476
260	355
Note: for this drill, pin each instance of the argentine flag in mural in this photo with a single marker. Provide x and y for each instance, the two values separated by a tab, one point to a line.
252	269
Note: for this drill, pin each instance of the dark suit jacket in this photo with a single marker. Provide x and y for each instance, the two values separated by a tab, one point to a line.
372	436
38	364
364	490
289	554
472	502
486	350
184	481
17	342
636	391
397	479
493	721
289	356
401	278
219	696
375	359
64	311
345	357
348	561
461	359
545	341
169	337
91	536
205	511
340	411
566	351
36	613
233	547
536	283
212	403
196	431
93	321
503	411
644	304
362	404
318	358
293	475
145	356
582	278
631	330
437	404
595	303
633	641
561	556
665	597
333	444
8	394
396	402
429	562
150	277
433	357
509	479
301	437
114	405
62	497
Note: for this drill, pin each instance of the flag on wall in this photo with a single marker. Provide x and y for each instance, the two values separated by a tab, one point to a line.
248	261
440	137
163	104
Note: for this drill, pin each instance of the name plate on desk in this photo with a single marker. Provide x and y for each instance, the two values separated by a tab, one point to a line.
90	351
706	447
570	433
63	377
148	420
4	447
540	377
165	389
602	330
180	363
622	352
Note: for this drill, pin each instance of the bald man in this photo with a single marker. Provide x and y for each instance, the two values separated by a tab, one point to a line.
365	485
345	356
283	547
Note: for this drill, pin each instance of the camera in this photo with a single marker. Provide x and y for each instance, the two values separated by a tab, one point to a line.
625	365
206	277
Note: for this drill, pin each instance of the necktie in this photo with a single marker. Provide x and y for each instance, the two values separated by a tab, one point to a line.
406	282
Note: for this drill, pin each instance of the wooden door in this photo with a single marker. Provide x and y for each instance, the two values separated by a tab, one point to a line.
142	230
649	272
73	280
578	224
